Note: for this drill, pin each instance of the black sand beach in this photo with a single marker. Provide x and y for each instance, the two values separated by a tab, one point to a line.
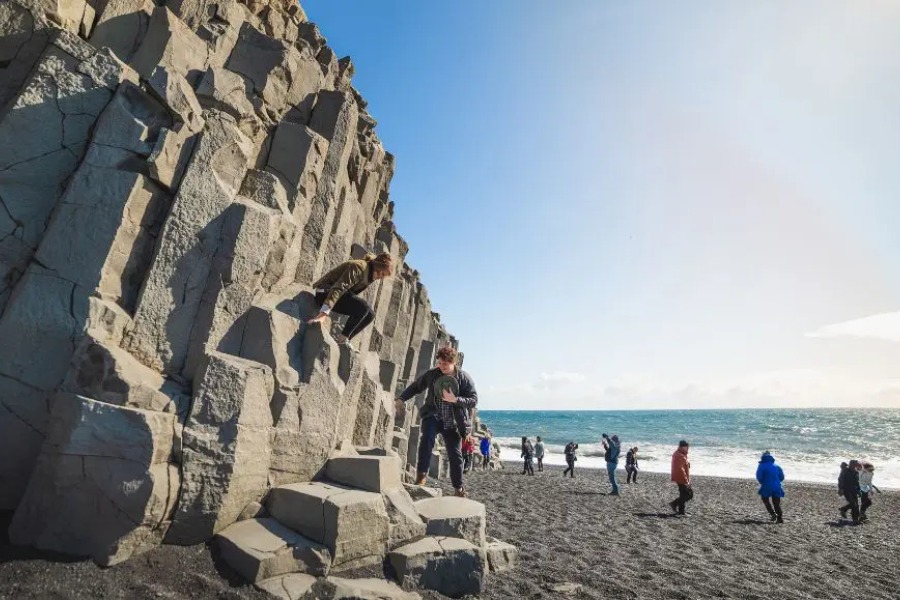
572	536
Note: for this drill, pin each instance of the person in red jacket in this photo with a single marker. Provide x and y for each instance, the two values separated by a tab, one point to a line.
468	449
681	475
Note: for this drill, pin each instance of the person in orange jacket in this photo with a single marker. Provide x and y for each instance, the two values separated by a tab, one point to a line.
681	475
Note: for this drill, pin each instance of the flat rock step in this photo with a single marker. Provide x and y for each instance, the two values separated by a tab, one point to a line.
371	473
264	548
454	517
306	587
450	566
352	524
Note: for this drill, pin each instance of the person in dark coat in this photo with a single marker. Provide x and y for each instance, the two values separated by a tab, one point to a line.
528	455
571	447
631	465
769	475
849	486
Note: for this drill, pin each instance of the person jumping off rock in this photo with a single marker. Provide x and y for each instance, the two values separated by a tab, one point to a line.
446	411
681	475
339	289
769	475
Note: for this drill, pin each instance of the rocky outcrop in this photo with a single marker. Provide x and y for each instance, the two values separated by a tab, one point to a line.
174	174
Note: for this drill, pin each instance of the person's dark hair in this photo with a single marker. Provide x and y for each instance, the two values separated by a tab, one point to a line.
448	353
538	438
844	465
383	263
683	444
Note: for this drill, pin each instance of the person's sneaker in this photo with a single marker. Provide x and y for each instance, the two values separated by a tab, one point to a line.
779	520
863	518
773	517
674	508
461	493
345	342
613	494
843	513
421	478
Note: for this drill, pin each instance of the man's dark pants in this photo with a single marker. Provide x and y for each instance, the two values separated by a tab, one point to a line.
685	495
431	426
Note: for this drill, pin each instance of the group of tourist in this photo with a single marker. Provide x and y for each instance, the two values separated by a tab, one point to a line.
854	483
451	396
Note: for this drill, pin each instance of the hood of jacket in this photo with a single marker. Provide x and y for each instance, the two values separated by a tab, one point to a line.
766	458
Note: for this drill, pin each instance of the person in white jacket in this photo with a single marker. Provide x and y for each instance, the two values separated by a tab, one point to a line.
866	489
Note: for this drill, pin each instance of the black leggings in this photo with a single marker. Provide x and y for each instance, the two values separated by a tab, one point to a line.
359	313
632	474
773	505
571	468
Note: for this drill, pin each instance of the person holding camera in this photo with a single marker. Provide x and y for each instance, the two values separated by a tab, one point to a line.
611	454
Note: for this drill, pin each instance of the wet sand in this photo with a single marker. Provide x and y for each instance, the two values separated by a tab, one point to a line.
572	536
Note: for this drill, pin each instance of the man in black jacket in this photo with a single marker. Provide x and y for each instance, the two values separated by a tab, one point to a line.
444	412
849	485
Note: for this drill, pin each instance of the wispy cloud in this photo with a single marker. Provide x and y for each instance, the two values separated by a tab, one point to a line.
884	326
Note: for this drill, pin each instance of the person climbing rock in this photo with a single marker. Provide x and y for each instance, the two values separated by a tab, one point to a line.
339	289
450	396
681	475
569	451
769	475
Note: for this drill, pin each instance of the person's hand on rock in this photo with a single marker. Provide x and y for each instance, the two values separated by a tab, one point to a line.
318	318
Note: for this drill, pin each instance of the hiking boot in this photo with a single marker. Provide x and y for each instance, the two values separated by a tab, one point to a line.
843	513
616	493
421	478
674	508
461	493
779	520
773	517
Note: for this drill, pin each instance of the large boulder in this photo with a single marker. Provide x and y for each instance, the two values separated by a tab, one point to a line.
226	450
369	473
501	556
454	517
353	524
447	565
103	486
338	588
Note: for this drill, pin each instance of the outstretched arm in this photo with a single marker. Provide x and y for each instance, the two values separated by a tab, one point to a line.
416	387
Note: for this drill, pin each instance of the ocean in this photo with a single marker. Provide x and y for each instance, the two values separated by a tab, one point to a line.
809	444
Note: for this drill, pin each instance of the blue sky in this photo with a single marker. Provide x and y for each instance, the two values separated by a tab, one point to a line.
646	204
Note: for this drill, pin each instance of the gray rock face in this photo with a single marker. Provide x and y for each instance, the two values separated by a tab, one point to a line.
501	556
226	448
168	194
447	565
93	446
338	588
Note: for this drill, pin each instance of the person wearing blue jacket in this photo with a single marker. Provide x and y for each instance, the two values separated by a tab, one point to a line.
769	475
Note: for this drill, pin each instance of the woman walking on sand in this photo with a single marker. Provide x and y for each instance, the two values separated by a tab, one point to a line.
849	486
539	453
631	465
866	489
528	455
571	447
769	475
681	475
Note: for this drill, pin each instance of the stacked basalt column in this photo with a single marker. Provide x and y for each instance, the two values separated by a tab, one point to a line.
173	177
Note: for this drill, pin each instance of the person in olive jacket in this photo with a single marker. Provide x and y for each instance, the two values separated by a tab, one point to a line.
339	289
444	412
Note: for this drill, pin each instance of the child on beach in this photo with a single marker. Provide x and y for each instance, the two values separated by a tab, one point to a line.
631	465
769	475
485	448
571	447
539	453
468	449
528	455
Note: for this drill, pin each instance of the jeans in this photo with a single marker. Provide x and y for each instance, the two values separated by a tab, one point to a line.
611	470
632	474
431	426
866	503
540	463
359	313
571	469
685	495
